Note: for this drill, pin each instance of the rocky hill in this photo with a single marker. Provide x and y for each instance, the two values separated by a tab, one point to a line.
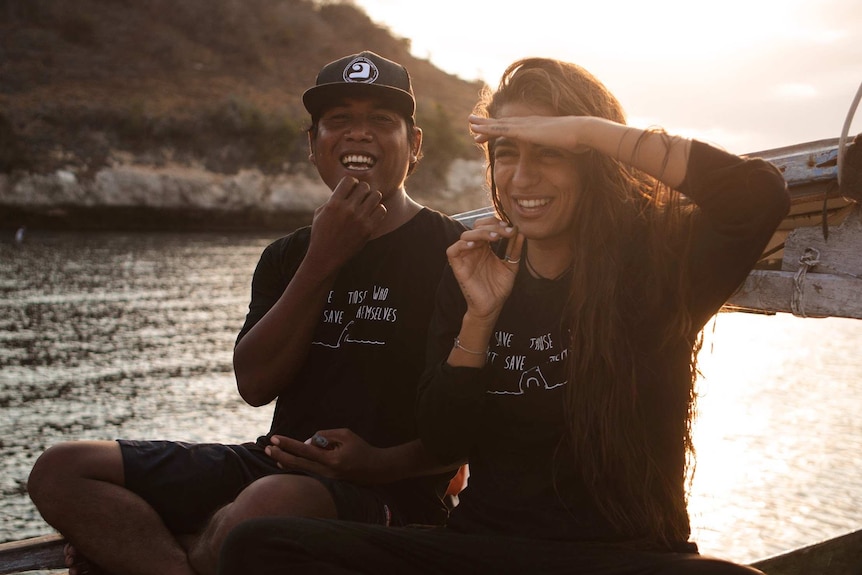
156	113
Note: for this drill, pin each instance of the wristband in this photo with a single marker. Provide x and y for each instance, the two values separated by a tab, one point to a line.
470	351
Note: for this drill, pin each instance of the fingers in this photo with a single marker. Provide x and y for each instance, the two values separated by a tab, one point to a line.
489	230
291	461
485	232
478	123
485	129
349	187
514	248
292	446
360	196
368	200
283	459
287	449
291	454
359	192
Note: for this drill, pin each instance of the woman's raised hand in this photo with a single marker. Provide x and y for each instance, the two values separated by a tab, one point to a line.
565	132
485	279
663	156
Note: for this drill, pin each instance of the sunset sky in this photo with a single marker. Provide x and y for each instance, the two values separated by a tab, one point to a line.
748	75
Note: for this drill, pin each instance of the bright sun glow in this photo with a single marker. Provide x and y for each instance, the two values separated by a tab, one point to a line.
467	37
747	74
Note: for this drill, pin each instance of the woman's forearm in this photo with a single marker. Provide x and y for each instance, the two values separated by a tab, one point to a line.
661	155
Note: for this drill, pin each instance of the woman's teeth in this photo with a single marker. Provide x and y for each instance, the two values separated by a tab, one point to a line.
533	203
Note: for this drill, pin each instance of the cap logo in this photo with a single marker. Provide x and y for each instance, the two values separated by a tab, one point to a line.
361	70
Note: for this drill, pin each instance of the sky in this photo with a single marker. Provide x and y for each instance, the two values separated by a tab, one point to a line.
748	75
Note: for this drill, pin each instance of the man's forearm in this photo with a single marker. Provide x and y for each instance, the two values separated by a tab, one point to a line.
269	355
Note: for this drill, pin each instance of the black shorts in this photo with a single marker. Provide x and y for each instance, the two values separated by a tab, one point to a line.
187	482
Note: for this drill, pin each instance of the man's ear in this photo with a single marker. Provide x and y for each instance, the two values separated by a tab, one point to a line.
311	149
416	144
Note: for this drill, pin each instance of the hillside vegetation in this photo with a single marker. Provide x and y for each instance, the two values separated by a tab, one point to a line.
215	83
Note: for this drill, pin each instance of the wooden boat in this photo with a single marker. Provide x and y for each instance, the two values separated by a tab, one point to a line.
36	553
818	247
838	556
811	172
823	217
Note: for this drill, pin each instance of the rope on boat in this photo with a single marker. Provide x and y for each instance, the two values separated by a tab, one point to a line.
856	180
809	258
842	141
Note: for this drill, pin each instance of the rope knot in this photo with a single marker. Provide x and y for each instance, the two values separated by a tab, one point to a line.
809	258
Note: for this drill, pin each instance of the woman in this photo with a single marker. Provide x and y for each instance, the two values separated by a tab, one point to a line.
563	347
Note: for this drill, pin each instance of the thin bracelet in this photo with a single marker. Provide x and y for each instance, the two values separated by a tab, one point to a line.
470	351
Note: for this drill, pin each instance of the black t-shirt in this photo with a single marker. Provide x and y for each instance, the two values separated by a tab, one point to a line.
367	351
508	417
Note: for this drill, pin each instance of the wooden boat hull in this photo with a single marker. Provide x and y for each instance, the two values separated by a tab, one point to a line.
838	556
37	553
811	173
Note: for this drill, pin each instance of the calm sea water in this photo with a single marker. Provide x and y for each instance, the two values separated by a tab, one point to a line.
109	335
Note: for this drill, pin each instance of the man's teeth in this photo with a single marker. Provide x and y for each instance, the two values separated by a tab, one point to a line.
357	161
534	203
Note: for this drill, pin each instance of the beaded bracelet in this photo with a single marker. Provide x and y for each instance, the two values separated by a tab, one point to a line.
470	351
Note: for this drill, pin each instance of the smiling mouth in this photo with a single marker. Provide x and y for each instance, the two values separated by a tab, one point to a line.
358	161
532	203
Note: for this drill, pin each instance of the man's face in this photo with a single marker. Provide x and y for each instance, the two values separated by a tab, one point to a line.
361	137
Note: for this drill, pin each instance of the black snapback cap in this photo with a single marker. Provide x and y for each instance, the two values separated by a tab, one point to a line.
365	73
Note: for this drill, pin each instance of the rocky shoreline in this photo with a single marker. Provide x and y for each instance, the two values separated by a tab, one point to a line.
128	197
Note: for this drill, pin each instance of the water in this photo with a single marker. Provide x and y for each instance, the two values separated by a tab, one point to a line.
109	335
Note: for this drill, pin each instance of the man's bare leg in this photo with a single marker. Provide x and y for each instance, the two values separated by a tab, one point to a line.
78	487
274	495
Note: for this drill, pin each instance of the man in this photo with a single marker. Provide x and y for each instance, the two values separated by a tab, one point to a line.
335	333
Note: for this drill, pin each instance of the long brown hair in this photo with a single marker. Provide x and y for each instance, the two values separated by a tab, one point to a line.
628	240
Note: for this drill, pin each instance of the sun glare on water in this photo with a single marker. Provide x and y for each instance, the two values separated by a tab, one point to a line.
777	437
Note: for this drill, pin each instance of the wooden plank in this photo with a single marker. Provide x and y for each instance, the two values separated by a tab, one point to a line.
33	554
817	295
838	556
804	163
839	254
820	277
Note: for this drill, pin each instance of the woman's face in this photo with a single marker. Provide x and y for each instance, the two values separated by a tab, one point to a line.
538	186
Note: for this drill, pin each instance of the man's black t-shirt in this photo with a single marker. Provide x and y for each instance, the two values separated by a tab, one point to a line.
368	349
